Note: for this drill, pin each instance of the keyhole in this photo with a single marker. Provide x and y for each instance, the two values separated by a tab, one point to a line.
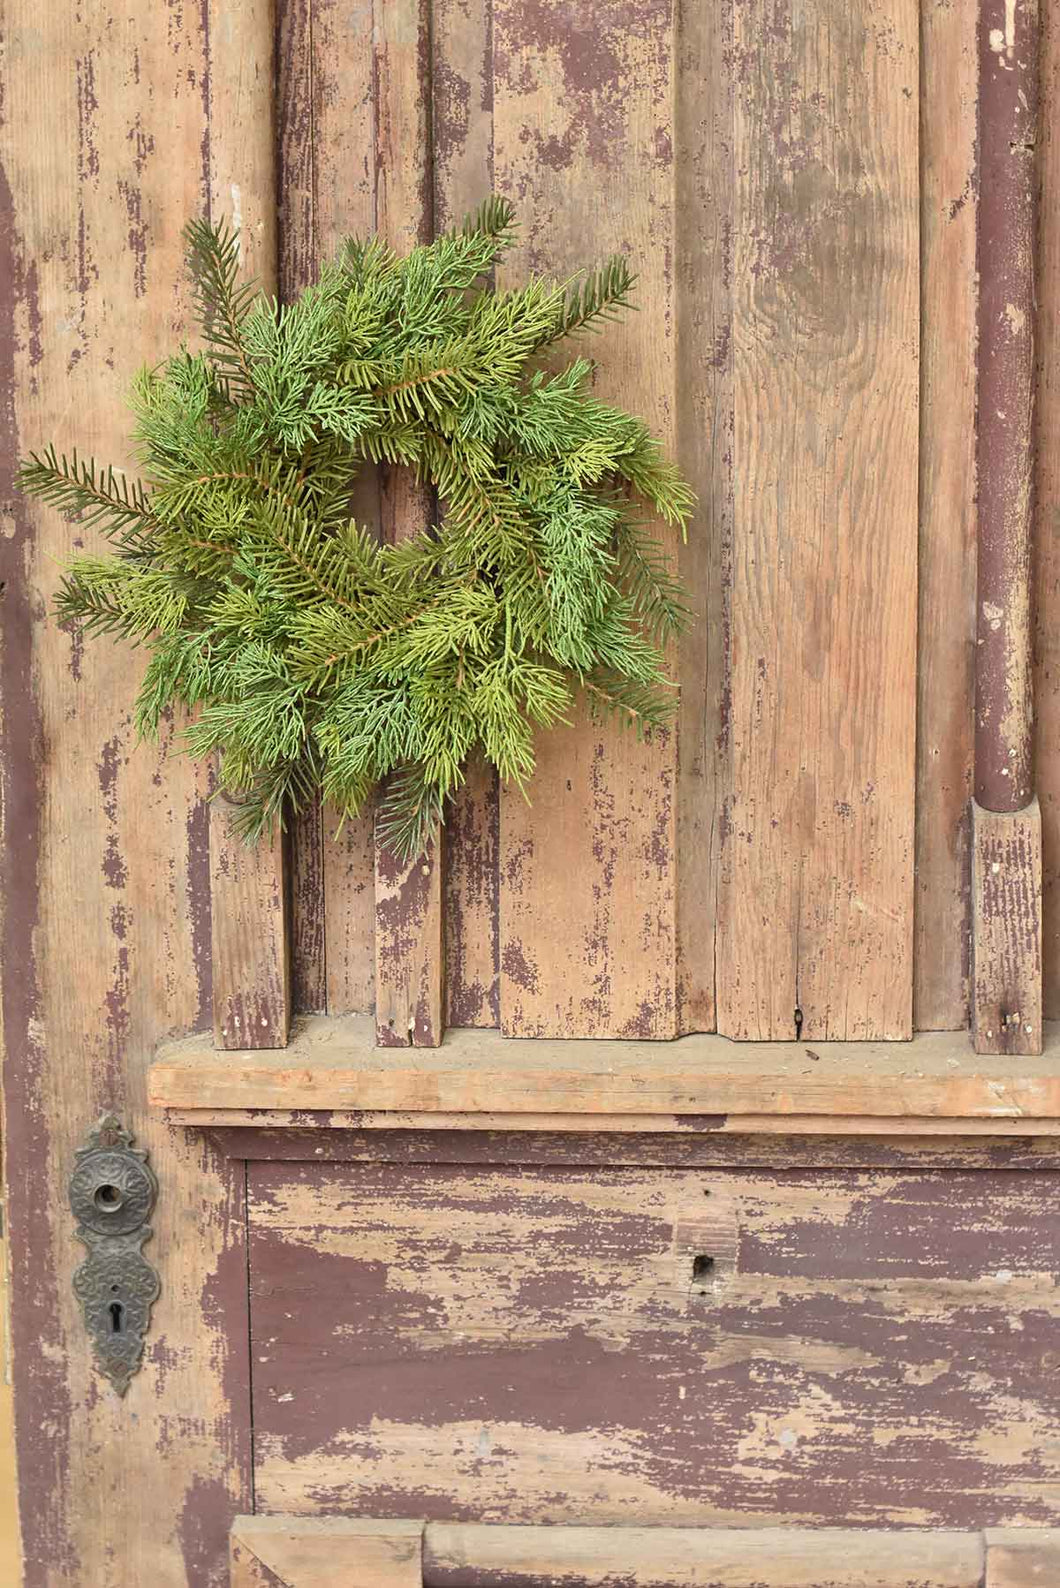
117	1317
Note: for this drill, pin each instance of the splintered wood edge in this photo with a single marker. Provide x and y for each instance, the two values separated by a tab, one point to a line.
482	1080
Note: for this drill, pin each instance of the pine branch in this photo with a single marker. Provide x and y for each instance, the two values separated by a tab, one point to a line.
110	502
223	303
595	299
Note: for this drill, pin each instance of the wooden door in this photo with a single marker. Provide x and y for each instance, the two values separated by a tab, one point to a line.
797	188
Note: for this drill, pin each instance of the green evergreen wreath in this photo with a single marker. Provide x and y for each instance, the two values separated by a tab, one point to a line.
312	656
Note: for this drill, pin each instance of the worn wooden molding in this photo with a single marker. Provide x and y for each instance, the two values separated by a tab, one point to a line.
482	1079
248	886
1007	935
299	1552
304	1552
1006	821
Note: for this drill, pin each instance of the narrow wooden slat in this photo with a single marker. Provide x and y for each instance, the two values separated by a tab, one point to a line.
704	236
946	628
1047	481
465	1555
1007	951
462	136
338	122
248	887
583	140
815	913
296	246
409	959
302	1552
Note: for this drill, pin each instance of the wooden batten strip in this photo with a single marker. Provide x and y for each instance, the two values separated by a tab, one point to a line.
1006	861
248	886
409	959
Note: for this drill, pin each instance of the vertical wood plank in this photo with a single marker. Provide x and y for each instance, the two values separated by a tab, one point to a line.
583	142
335	120
1007	909
704	232
462	137
251	952
409	961
1047	480
946	627
105	886
815	924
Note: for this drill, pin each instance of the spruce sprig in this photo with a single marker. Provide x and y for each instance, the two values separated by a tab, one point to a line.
310	655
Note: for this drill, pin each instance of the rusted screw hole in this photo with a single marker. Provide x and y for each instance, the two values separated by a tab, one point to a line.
108	1198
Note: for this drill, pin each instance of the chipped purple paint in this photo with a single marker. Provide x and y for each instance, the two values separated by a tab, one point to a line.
43	1411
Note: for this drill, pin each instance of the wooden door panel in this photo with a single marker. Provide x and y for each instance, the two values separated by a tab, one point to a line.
566	1345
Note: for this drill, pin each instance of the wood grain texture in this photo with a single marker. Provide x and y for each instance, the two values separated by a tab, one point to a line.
1047	483
467	1556
1018	1558
946	624
583	142
815	923
1007	930
506	1344
106	882
704	416
462	132
251	951
339	1553
334	1064
409	911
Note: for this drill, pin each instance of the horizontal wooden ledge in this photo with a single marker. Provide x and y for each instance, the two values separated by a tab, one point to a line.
482	1080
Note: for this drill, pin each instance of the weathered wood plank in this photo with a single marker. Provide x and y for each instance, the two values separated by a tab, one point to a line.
334	1065
463	1555
462	129
583	141
409	952
815	914
251	951
300	1552
586	1377
946	626
106	887
1047	482
1007	915
703	139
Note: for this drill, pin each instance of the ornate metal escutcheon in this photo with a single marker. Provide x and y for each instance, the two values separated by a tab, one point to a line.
112	1193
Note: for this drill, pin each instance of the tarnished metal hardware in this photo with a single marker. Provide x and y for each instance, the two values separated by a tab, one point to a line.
112	1193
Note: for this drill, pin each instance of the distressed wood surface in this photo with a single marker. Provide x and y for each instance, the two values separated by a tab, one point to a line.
1047	483
946	625
462	131
409	952
1017	1558
333	1064
815	923
338	1553
1007	930
503	1344
251	953
583	142
320	1138
462	1555
106	873
704	218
